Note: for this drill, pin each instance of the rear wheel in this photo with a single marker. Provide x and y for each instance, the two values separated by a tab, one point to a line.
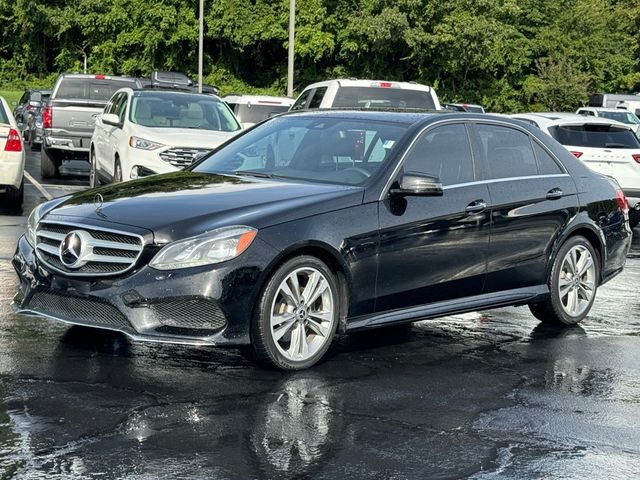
572	284
49	167
14	197
297	314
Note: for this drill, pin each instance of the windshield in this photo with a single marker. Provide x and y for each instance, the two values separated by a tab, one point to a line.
330	150
595	136
622	116
90	88
378	97
182	110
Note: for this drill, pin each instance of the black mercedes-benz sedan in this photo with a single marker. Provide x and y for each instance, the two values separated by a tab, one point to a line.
315	223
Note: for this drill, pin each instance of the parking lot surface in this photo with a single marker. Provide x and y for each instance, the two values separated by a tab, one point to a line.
481	395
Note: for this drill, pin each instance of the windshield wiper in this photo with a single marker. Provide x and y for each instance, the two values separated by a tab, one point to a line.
249	173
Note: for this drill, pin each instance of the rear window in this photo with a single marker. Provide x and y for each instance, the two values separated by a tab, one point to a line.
253	113
595	136
90	88
621	116
378	97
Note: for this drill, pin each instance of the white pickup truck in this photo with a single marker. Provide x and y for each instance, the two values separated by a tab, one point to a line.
69	117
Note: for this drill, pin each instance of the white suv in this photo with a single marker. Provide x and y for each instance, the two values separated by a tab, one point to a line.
371	94
144	132
606	146
252	109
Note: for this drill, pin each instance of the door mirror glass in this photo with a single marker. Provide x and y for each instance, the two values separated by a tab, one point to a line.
417	184
111	119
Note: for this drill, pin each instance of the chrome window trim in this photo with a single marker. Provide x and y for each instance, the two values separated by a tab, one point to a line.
499	180
385	191
134	261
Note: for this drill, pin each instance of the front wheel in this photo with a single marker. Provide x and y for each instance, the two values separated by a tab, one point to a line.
93	174
297	314
572	284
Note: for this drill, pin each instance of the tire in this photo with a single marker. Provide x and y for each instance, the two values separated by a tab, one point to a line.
94	181
282	345
117	171
570	296
49	168
634	218
14	197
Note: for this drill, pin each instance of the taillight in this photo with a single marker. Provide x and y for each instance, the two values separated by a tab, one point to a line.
14	144
99	77
47	117
621	200
576	154
636	157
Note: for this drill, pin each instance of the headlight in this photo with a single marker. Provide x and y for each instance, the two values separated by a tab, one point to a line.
142	144
212	247
37	214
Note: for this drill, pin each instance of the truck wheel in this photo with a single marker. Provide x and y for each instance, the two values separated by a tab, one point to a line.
573	284
48	165
14	197
634	218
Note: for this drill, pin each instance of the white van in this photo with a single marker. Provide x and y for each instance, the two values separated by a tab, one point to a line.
382	94
252	109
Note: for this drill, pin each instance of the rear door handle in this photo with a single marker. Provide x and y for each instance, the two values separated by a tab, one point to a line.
554	194
476	206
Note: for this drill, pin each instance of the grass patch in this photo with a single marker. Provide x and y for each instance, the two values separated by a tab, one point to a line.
11	95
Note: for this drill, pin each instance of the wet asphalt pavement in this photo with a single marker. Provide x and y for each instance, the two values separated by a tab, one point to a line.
484	395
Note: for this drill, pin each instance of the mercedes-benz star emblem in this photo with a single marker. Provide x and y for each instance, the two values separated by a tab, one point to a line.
98	200
73	249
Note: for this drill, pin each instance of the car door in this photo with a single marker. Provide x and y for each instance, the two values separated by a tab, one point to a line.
111	136
532	198
435	248
99	139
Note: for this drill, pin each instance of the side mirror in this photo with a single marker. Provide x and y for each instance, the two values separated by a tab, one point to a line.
417	184
35	104
111	119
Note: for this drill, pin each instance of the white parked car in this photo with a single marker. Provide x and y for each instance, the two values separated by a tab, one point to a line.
606	146
252	109
617	114
380	94
145	132
11	159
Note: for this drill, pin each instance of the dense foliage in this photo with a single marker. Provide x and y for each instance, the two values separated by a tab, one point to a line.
505	54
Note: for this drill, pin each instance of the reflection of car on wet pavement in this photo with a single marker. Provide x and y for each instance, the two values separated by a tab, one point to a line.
356	225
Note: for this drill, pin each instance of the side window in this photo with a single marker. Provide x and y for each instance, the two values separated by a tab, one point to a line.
546	164
443	152
301	103
317	97
121	106
508	151
112	105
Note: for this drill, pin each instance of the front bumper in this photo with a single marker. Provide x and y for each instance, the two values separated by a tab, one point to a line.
197	306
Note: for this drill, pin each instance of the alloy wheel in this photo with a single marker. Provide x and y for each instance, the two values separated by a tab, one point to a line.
302	314
576	284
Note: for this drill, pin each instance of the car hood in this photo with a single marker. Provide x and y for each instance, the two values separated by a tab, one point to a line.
182	204
184	137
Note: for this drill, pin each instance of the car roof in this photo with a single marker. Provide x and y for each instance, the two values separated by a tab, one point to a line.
603	109
354	82
155	90
240	97
550	119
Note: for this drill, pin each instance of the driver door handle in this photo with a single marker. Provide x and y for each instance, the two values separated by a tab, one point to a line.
476	206
554	194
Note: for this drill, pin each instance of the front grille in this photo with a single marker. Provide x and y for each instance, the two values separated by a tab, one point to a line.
182	157
108	252
191	313
77	309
